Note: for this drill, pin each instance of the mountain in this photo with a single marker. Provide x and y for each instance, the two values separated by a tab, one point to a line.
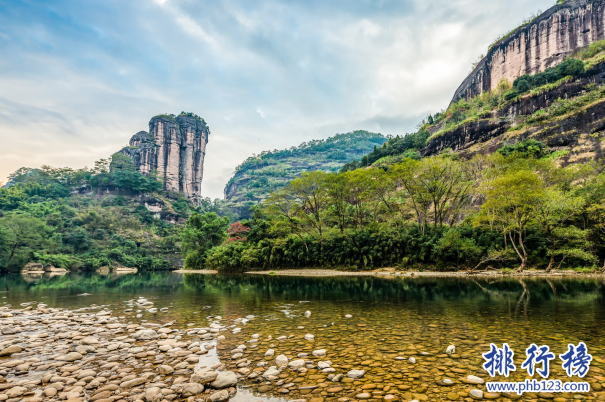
174	149
542	82
260	174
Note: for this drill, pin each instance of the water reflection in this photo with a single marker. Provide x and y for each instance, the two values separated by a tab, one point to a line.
390	317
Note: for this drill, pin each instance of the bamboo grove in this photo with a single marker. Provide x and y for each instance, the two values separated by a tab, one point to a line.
506	210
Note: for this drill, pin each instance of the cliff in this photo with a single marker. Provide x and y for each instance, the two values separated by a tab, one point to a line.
567	117
174	148
537	45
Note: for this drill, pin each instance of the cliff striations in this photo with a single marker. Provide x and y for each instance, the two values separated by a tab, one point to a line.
174	148
533	47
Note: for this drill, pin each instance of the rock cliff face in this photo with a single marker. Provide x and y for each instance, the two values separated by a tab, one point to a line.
174	147
545	42
486	135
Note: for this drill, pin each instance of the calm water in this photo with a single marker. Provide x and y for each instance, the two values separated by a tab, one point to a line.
391	317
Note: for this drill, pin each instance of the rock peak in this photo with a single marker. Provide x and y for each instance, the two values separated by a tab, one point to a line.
174	147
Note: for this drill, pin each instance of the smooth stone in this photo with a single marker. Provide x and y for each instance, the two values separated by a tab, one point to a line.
356	374
224	380
364	395
281	360
452	396
132	383
145	335
71	357
296	364
476	394
474	379
165	369
204	376
16	392
269	353
192	389
491	395
219	396
152	393
11	350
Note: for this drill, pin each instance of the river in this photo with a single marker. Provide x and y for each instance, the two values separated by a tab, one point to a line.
372	323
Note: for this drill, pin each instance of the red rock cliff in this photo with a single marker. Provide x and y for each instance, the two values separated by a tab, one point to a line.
532	48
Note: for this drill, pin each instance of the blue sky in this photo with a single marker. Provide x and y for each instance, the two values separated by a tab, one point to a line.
79	78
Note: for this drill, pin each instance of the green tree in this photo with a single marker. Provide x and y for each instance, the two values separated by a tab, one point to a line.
202	232
511	203
20	236
556	210
301	206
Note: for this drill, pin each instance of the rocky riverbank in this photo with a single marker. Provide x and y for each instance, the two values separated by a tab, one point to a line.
99	354
392	273
87	354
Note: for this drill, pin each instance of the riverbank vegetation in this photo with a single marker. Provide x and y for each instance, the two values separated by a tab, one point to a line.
89	218
515	208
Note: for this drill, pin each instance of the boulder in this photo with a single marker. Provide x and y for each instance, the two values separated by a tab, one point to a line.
132	383
85	349
225	379
153	393
33	267
296	364
356	374
204	376
10	350
165	369
89	340
192	389
219	396
71	357
281	360
145	335
15	392
271	372
474	379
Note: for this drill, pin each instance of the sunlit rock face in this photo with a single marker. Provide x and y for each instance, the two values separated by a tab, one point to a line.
174	147
543	43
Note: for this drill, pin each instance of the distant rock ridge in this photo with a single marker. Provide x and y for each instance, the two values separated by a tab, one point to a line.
175	147
545	42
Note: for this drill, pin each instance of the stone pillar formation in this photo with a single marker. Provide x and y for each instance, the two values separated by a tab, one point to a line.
174	147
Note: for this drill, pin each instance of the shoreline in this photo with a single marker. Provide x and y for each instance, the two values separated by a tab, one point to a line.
391	273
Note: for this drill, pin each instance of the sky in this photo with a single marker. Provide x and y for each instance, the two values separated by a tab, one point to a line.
79	78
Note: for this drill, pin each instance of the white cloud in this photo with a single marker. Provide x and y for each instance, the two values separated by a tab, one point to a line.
77	82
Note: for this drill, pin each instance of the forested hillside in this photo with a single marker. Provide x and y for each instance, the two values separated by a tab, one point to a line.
110	215
260	174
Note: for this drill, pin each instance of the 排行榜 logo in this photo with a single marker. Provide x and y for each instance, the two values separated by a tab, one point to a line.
575	361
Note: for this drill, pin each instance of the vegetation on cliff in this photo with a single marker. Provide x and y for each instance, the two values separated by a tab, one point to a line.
88	218
489	106
260	174
508	209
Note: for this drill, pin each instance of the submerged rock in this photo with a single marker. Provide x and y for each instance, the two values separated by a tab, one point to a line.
356	374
